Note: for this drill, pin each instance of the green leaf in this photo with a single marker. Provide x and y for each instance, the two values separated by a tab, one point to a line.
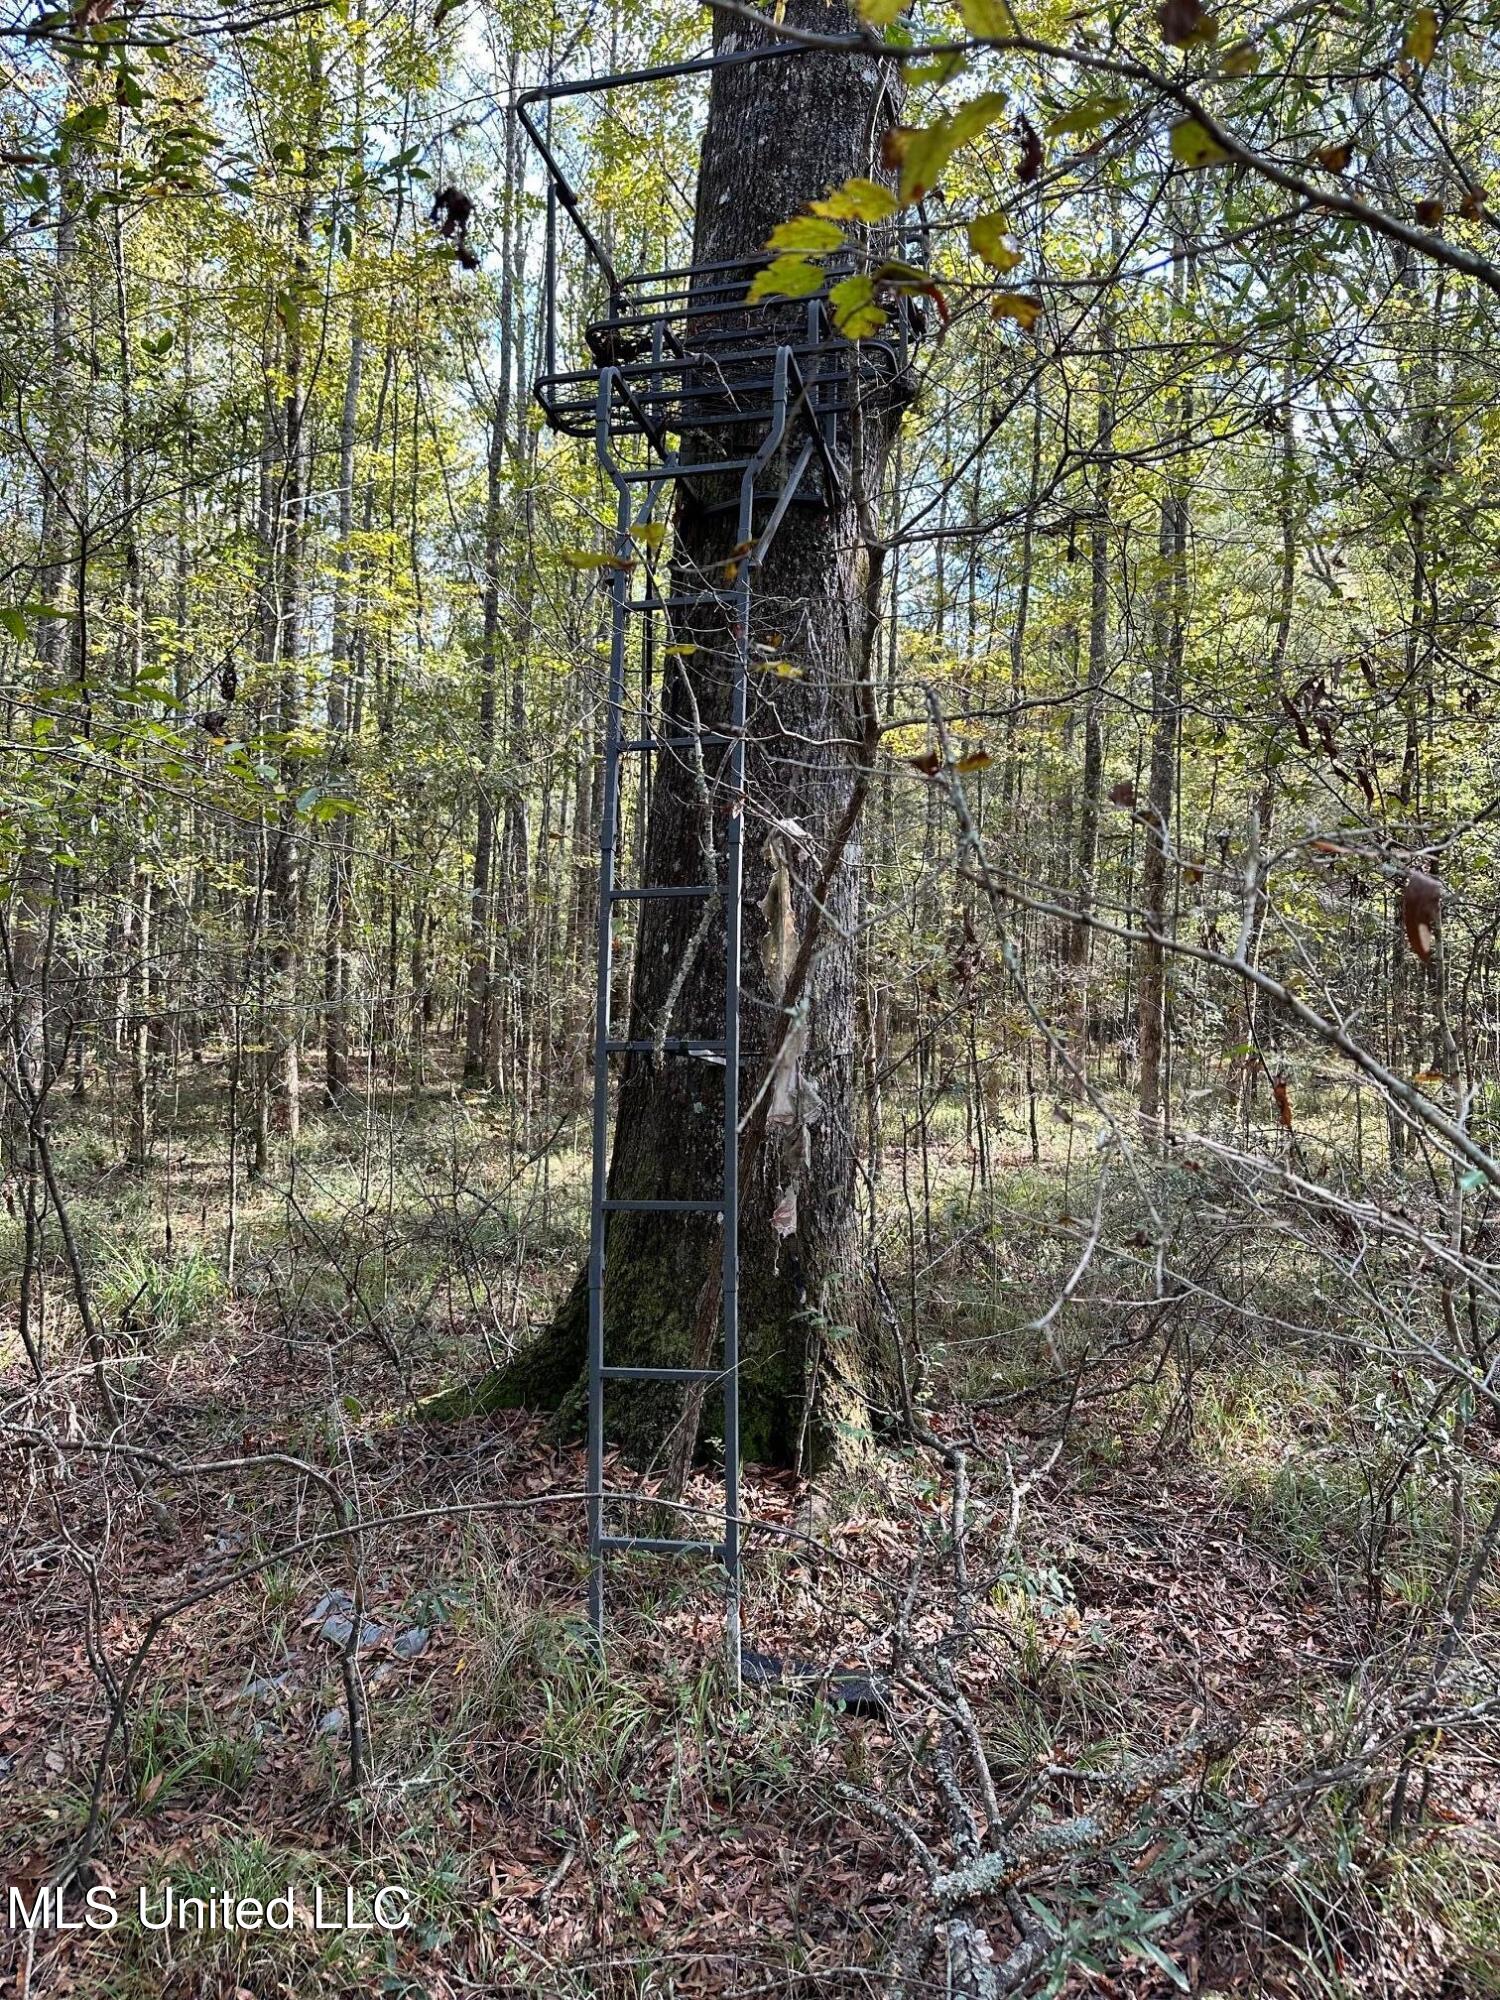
987	19
1158	1957
785	278
806	234
82	127
855	312
15	618
857	201
1088	116
927	151
990	239
1192	145
939	69
881	13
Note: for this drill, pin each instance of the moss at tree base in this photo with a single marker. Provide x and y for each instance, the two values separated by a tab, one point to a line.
550	1374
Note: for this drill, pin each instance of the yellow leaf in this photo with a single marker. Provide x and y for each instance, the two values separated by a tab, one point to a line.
585	559
649	534
1192	145
881	13
857	201
976	760
1241	59
681	651
987	19
990	238
1019	306
855	312
1420	42
783	669
785	278
806	234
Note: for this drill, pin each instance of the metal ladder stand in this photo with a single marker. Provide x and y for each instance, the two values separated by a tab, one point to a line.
664	323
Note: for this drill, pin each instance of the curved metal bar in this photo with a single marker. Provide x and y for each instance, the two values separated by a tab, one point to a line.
547	93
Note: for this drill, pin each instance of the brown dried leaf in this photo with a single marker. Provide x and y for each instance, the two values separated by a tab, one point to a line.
778	948
1185	24
1283	1103
1029	162
1022	307
1421	906
894	142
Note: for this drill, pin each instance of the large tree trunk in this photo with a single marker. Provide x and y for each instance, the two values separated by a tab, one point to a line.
779	133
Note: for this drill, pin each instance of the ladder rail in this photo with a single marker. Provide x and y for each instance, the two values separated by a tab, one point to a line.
627	517
603	984
792	400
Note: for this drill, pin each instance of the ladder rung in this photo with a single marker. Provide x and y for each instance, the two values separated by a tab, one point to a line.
662	890
661	1545
634	478
673	1046
662	1374
674	742
680	602
665	1207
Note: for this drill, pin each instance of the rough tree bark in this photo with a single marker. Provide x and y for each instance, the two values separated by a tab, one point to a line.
779	133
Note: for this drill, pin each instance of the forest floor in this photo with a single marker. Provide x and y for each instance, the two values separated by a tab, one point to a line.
1185	1549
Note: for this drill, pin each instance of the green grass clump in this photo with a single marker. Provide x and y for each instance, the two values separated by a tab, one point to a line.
162	1298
